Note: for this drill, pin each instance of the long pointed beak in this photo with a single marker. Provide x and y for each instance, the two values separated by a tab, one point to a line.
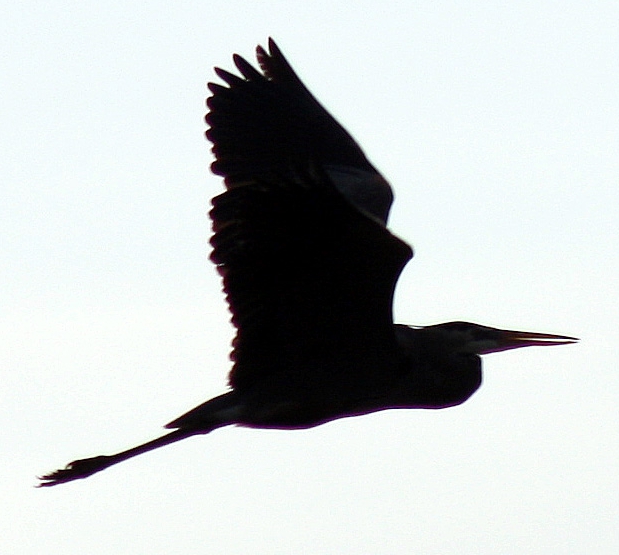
515	339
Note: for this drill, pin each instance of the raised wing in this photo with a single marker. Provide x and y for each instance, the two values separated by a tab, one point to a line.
308	266
269	120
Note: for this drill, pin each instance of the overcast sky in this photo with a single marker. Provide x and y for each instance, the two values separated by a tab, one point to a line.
498	126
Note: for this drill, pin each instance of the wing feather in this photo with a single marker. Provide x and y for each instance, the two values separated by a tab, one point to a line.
268	120
309	280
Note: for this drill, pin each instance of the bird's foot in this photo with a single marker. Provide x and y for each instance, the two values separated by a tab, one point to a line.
75	470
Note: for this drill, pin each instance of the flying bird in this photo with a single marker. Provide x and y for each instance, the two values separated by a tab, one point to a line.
309	269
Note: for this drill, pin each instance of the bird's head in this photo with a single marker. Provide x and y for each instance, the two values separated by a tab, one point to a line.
467	338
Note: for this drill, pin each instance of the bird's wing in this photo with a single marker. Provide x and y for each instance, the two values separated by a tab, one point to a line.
309	280
309	268
268	119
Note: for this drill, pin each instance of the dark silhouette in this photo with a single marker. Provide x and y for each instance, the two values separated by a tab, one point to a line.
309	270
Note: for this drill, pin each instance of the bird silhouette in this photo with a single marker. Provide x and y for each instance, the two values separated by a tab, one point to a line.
309	270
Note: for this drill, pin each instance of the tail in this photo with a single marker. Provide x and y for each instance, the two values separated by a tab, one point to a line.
214	413
201	420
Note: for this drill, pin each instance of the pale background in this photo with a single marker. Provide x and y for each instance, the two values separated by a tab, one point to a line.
498	125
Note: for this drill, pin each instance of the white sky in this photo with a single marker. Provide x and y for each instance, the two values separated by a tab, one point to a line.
498	125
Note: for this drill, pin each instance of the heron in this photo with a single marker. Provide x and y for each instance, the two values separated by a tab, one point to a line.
309	270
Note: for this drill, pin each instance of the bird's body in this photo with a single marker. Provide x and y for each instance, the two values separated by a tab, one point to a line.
309	270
